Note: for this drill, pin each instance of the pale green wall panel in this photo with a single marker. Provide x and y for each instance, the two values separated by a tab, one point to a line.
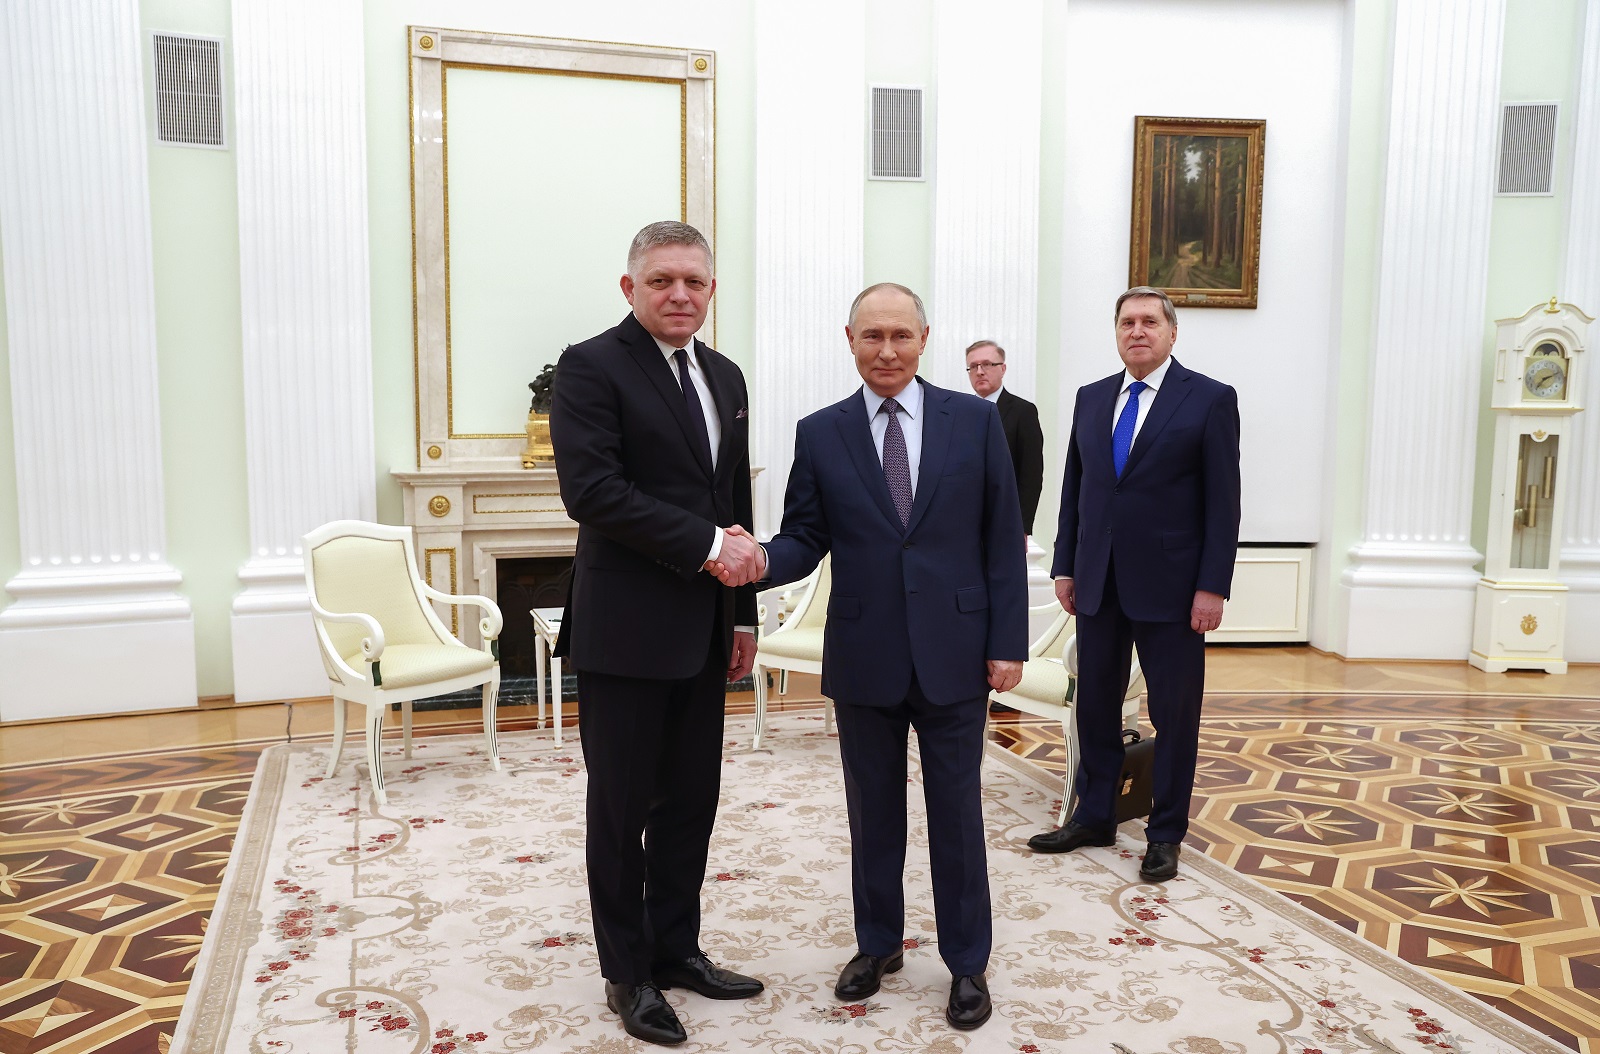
10	535
194	220
1527	234
897	244
724	26
1052	218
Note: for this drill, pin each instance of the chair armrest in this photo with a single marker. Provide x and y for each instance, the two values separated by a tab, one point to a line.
372	644
492	620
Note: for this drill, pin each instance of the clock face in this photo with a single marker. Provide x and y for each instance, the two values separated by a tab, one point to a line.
1545	377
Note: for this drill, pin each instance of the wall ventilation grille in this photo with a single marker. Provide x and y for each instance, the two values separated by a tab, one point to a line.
188	75
1527	148
896	133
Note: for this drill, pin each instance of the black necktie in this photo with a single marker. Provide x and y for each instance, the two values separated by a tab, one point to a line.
691	396
896	462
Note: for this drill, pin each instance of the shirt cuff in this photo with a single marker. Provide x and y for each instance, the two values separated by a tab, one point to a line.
745	629
1063	578
716	546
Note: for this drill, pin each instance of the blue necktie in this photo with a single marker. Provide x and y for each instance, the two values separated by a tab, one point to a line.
691	396
896	462
1122	437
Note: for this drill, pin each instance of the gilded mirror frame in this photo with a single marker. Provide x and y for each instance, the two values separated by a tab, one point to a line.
433	52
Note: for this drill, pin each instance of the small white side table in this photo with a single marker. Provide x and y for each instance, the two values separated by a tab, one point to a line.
546	628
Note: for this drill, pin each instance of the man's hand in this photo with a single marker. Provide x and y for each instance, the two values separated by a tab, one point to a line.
1067	594
1004	674
741	560
743	657
1207	613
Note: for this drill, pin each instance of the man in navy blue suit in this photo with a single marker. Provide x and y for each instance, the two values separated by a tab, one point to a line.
911	488
1149	528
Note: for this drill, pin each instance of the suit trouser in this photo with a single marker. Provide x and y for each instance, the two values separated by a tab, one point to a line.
872	746
653	750
1173	658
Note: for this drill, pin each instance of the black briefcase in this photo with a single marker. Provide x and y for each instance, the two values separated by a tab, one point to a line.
1134	791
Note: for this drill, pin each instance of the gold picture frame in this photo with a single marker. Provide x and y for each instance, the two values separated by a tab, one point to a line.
1197	209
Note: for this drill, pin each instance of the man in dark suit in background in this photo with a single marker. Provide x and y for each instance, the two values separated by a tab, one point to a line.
651	437
910	487
986	372
1144	557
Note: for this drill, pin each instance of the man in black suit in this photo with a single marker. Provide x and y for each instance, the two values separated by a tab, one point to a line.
651	436
986	372
1144	557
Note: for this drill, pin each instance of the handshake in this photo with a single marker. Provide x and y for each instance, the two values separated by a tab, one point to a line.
740	561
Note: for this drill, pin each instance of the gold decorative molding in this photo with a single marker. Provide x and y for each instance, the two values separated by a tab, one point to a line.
1529	625
701	64
439	505
541	503
427	562
1540	436
425	42
434	452
1552	308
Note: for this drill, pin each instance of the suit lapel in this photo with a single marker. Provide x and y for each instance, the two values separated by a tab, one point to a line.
722	396
937	425
1173	391
643	348
856	432
1095	440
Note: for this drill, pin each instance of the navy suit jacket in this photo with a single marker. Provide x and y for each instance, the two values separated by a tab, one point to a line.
1172	519
938	597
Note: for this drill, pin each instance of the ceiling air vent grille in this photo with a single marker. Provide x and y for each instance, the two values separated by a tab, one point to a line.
188	76
896	133
1527	148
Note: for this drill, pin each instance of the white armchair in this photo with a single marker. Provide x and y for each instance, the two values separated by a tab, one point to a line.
1049	687
795	645
381	641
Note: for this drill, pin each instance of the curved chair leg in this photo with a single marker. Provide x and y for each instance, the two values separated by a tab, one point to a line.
555	693
758	676
783	682
375	752
1069	736
405	727
491	694
827	716
340	715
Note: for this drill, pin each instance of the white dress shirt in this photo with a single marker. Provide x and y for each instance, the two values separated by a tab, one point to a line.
698	375
994	396
1146	399
910	400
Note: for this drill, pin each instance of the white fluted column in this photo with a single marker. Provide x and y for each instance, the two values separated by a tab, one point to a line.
810	171
988	76
1411	581
302	169
98	624
1580	552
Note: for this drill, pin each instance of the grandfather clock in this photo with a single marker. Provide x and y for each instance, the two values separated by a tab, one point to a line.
1520	622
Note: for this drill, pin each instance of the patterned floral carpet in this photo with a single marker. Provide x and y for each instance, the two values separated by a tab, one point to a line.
110	863
455	920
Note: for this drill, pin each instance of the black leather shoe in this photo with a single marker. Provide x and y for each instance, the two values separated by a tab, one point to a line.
862	975
645	1013
969	1004
1073	836
699	974
1160	861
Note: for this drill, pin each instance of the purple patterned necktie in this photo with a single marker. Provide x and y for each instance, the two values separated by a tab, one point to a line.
896	463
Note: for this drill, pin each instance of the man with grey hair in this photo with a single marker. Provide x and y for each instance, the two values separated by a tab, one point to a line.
1144	556
651	436
986	372
910	488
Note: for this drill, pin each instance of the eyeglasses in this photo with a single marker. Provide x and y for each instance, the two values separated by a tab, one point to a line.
980	367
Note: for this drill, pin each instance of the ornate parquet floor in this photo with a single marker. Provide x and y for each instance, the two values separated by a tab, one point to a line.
1461	833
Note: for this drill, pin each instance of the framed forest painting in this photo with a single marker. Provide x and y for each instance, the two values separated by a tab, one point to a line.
1197	209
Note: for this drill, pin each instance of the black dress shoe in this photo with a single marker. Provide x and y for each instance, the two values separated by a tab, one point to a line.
699	974
862	975
1073	836
969	1004
1160	861
645	1013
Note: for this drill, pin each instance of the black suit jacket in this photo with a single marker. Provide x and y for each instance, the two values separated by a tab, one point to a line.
1172	517
1025	439
646	501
